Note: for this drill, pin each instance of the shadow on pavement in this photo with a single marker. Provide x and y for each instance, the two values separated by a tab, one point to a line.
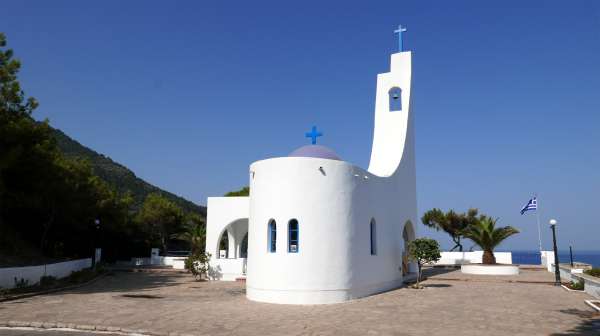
130	282
433	271
589	326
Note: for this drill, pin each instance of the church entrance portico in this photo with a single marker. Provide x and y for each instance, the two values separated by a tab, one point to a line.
227	237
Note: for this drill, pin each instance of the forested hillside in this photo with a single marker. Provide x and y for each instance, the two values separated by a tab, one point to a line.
59	199
118	175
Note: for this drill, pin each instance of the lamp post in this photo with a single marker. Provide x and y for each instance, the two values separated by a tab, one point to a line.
556	271
96	230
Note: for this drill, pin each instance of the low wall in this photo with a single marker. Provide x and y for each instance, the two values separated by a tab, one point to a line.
32	274
226	269
591	284
175	262
475	257
548	260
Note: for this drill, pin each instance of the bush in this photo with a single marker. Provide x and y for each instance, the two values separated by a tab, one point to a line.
47	280
22	283
576	285
593	272
197	264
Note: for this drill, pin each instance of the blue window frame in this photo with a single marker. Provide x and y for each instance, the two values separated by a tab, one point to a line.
395	94
272	233
293	236
373	230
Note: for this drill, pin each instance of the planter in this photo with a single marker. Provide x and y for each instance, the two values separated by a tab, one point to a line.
497	269
571	290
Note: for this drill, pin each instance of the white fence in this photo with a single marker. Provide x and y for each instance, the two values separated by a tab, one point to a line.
475	257
32	274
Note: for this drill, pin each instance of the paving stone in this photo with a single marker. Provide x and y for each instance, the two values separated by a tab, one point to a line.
48	325
172	302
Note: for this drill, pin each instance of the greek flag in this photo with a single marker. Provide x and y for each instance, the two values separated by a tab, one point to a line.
531	205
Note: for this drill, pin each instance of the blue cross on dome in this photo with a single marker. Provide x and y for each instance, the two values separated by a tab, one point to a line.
313	134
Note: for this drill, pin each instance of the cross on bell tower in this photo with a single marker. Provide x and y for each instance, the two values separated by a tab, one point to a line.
399	31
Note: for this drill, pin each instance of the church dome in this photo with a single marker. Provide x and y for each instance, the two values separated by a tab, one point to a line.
315	151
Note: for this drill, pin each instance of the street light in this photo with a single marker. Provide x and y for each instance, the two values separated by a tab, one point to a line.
97	227
556	271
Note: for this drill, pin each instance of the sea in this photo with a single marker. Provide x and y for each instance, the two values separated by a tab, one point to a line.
533	257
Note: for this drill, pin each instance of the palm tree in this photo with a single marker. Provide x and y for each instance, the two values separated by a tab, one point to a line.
194	233
485	234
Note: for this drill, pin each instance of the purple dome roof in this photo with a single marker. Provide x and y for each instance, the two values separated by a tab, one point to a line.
316	151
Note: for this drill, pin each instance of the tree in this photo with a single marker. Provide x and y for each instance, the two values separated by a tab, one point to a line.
423	251
161	217
450	222
245	191
198	264
485	234
194	233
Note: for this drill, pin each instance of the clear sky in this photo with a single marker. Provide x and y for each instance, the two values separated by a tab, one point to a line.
187	94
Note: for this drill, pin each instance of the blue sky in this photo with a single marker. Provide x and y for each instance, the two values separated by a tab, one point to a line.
188	94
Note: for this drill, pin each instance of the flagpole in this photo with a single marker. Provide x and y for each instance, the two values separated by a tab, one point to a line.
537	215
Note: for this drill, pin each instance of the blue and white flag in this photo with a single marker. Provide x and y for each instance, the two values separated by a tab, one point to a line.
531	205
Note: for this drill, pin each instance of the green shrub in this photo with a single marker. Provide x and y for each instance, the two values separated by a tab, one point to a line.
576	285
593	272
197	264
22	283
47	280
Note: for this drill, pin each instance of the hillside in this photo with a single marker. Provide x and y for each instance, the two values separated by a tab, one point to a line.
118	175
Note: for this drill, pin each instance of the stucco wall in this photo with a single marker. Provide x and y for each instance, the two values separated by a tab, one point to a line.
34	273
227	269
334	202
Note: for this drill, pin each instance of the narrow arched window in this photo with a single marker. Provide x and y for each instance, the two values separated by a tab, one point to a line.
293	235
272	236
373	229
395	94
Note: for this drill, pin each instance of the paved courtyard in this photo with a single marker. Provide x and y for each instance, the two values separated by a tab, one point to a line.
451	304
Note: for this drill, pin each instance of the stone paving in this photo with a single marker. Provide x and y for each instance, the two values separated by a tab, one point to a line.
451	304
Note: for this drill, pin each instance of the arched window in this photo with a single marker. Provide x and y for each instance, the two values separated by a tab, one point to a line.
395	94
272	233
373	230
293	236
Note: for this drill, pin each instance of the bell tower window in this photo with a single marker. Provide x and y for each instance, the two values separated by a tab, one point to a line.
395	94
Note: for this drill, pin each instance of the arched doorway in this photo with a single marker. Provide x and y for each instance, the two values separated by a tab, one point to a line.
233	240
408	235
244	247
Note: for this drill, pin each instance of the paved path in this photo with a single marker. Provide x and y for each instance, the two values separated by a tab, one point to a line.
451	304
43	332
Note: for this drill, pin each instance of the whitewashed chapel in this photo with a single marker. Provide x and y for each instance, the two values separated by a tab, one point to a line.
349	238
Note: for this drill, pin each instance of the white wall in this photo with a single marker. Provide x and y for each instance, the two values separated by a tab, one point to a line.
175	262
474	257
227	269
34	273
548	260
334	206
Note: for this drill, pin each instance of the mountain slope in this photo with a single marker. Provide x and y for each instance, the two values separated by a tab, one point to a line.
118	175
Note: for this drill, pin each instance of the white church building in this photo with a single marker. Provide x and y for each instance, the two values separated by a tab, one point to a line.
343	231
